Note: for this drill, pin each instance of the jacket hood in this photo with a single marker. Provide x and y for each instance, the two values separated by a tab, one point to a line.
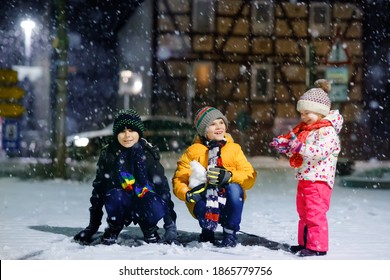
336	119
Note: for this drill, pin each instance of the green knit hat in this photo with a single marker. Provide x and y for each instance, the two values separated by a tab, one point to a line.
130	119
205	116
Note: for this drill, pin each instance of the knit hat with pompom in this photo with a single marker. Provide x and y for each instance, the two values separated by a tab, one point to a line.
205	116
129	119
316	100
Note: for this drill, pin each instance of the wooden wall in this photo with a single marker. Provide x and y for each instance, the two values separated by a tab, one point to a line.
215	67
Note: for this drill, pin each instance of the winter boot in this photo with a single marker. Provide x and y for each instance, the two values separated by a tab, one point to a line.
150	234
296	248
310	253
207	236
111	234
170	235
229	239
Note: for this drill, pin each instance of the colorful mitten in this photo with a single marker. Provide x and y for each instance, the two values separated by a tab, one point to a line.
281	145
127	181
142	191
294	144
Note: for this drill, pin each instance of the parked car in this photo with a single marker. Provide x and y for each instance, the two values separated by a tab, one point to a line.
166	132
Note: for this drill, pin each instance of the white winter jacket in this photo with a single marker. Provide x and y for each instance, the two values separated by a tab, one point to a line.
320	152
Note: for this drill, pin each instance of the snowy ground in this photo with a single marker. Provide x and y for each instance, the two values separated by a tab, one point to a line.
39	218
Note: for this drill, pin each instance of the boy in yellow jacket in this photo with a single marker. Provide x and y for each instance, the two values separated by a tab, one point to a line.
212	177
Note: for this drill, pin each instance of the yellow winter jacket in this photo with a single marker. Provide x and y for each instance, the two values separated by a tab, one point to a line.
233	159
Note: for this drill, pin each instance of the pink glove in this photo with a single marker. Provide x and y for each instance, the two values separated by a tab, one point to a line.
280	144
294	144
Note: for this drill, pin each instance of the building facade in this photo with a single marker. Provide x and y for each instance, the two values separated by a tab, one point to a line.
254	59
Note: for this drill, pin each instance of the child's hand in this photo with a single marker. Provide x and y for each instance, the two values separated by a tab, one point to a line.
142	191
195	194
218	176
295	145
280	144
274	142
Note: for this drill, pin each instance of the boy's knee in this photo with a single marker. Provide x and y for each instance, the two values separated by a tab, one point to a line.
234	191
152	209
113	195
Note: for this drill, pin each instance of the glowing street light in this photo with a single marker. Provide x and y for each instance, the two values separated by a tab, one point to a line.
27	25
130	83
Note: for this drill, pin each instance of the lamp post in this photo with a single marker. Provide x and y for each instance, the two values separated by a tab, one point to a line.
130	83
27	25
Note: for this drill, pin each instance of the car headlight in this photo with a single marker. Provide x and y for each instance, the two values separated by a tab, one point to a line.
81	141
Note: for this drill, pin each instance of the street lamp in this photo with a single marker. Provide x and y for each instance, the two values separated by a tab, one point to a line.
130	83
27	26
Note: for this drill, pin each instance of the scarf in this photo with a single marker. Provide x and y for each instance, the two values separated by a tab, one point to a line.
301	131
131	165
214	195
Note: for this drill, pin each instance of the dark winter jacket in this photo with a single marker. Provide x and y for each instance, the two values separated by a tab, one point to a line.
107	175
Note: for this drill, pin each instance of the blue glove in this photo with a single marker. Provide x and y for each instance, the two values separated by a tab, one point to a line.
85	236
218	176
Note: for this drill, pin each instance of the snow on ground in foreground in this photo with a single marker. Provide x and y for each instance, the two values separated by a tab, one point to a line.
39	219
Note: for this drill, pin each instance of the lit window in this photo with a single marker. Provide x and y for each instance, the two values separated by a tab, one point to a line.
203	78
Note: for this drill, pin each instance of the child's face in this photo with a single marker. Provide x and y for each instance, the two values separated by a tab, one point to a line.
309	117
127	138
216	130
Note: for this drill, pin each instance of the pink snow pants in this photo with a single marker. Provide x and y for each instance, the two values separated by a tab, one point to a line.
313	200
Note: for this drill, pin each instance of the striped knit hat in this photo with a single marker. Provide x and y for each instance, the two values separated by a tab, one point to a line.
316	99
205	116
128	119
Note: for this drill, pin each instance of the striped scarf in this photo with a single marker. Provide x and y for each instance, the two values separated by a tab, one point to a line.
214	195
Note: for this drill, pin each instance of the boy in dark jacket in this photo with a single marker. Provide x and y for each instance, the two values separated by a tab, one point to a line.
131	184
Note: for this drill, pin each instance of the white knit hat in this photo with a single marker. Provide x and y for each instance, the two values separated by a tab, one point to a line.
315	100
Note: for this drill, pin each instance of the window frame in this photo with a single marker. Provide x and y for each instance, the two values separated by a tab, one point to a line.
269	82
196	25
317	28
266	27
